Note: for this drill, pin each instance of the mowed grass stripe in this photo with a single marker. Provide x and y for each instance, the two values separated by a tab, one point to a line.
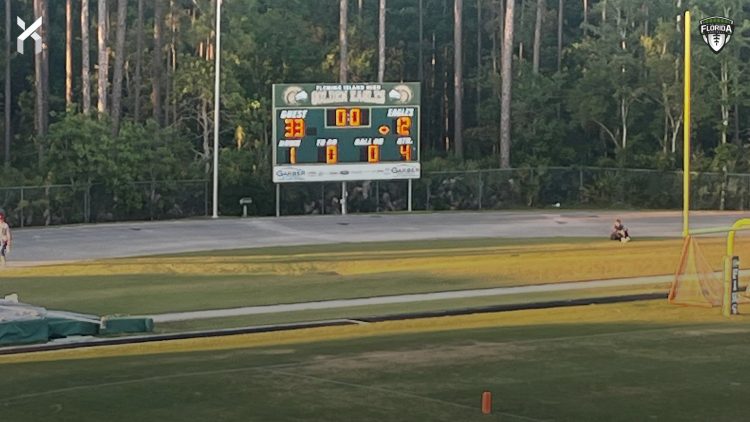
213	280
599	314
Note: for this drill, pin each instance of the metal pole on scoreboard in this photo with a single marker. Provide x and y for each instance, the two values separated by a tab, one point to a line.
278	200
343	198
217	71
409	200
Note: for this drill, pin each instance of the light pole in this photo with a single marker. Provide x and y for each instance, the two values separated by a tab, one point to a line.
217	71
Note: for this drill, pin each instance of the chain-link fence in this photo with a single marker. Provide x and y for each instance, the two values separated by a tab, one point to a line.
437	190
69	204
587	187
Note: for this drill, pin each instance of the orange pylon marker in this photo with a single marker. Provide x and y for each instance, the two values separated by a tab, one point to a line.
486	403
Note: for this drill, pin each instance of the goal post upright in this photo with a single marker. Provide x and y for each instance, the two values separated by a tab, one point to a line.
729	300
686	131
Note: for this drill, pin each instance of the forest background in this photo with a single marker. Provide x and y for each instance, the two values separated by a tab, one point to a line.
121	98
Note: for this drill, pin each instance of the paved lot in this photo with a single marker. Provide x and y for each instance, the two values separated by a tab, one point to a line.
68	243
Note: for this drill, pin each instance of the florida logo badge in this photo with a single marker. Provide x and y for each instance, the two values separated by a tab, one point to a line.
717	32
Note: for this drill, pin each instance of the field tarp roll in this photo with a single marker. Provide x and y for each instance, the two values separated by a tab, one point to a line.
21	324
23	332
120	325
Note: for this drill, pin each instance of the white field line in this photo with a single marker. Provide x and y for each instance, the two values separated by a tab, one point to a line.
407	298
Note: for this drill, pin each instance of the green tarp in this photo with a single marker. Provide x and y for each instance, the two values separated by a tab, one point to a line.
23	332
25	324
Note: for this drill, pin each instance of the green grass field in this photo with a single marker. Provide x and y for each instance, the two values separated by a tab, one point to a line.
229	279
642	361
283	275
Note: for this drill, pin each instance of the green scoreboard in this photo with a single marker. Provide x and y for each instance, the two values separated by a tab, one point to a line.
342	132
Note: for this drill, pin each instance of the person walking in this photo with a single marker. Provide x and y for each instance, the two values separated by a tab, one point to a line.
5	238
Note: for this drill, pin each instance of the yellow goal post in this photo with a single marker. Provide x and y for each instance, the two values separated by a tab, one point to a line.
696	283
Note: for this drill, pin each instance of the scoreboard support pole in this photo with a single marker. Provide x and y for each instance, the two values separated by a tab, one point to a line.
410	191
344	194
278	200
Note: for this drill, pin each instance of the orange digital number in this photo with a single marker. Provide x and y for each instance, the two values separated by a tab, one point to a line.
332	154
373	153
341	117
355	117
405	151
403	126
294	128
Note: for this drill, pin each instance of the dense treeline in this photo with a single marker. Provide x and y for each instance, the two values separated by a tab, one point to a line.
123	89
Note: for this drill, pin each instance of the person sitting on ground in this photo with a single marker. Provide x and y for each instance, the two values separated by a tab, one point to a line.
619	232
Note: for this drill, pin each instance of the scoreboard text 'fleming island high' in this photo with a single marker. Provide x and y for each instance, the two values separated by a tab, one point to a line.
345	132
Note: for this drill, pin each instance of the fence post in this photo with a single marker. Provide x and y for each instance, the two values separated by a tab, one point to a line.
480	188
427	196
23	218
205	198
580	185
151	194
85	204
377	195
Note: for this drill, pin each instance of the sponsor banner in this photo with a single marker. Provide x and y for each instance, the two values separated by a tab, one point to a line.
345	172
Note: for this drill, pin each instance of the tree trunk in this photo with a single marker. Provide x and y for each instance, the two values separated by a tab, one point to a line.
103	75
44	32
537	35
138	62
724	85
85	58
7	112
479	60
522	22
41	81
624	109
585	16
120	52
446	101
381	41
420	71
736	139
343	60
507	79
497	36
68	54
156	71
206	135
458	78
559	34
173	68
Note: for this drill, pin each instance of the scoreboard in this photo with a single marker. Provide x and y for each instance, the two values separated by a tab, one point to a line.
343	132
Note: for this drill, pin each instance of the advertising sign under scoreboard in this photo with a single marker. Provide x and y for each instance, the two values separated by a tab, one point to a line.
342	132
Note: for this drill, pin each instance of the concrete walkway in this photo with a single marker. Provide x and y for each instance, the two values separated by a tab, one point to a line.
408	298
35	246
